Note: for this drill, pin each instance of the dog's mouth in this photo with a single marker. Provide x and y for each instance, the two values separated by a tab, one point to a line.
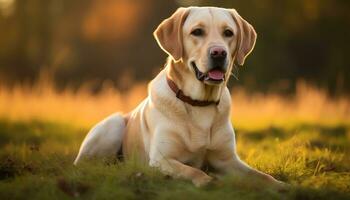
215	75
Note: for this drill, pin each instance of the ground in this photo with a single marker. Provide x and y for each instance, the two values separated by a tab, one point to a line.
36	163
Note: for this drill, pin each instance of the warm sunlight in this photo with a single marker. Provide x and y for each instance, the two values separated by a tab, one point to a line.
174	99
6	6
113	20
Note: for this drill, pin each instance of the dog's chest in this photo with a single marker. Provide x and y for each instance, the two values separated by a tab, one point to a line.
199	128
202	117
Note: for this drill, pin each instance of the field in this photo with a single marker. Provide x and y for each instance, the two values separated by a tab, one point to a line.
302	139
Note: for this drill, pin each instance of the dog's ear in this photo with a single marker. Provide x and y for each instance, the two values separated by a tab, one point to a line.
169	34
246	37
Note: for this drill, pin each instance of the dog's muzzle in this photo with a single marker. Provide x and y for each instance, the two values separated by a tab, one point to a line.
215	75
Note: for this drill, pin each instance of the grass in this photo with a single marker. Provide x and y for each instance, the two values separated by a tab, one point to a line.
303	140
36	163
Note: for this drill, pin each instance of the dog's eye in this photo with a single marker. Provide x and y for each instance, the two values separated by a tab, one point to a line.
228	33
197	32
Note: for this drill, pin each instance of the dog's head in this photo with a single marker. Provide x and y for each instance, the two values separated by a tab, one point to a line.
207	40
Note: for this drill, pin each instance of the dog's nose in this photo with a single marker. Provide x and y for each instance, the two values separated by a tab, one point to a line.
218	53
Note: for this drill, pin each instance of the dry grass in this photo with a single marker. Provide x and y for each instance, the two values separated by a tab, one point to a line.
309	105
81	107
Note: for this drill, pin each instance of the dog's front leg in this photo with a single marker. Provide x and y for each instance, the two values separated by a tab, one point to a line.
226	161
177	169
241	170
164	156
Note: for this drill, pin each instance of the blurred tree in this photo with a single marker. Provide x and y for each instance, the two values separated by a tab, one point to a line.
93	40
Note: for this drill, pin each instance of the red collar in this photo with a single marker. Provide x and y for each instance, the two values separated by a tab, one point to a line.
180	95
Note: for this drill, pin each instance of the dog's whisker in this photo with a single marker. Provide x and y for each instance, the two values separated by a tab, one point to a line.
235	72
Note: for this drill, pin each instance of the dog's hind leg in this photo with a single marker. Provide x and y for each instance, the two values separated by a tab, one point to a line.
104	139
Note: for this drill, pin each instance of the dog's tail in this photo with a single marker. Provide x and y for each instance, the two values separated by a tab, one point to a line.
104	139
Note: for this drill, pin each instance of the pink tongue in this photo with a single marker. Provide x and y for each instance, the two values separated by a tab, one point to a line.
216	74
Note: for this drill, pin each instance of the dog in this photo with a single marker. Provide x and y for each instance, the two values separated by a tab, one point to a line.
184	123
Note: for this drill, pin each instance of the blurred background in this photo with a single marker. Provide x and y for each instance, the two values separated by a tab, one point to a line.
80	60
91	41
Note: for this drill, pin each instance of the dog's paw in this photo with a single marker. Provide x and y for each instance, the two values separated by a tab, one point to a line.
202	181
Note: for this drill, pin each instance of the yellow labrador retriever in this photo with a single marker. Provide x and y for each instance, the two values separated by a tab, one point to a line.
184	123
